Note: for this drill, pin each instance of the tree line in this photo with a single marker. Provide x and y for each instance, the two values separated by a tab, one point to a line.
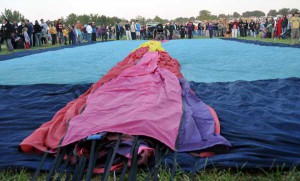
106	20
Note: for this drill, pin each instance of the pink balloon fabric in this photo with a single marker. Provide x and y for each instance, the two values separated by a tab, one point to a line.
143	100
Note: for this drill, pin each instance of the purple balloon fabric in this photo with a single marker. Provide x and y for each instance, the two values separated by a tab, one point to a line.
197	129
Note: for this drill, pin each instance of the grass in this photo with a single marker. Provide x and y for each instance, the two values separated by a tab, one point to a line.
211	175
269	40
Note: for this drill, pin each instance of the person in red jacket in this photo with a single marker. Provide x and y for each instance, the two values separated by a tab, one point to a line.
59	29
279	27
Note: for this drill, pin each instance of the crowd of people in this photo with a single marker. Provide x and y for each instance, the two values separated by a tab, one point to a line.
40	33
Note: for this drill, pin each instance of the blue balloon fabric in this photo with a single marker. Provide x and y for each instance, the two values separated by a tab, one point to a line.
201	61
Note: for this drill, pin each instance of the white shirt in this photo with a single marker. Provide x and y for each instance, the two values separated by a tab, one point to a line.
89	29
132	28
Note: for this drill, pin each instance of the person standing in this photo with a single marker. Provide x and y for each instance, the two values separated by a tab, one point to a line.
132	30
235	26
53	32
190	28
7	30
110	31
89	31
118	30
284	24
45	30
128	32
138	29
27	39
295	25
37	33
171	30
94	31
59	29
29	30
182	31
252	27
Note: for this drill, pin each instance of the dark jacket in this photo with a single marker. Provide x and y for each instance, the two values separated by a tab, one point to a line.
6	31
284	23
37	28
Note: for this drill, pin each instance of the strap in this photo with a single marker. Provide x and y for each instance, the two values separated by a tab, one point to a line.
131	153
133	169
66	163
51	172
37	171
194	169
174	165
109	164
91	161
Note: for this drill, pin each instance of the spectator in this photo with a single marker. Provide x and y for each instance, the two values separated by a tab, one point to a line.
190	28
118	30
94	28
38	33
252	27
89	31
295	25
128	32
284	24
26	36
132	29
59	29
182	31
45	30
110	31
211	29
171	30
29	30
138	30
7	30
104	33
235	26
66	34
269	28
53	32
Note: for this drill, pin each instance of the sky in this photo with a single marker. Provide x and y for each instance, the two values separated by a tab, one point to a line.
166	9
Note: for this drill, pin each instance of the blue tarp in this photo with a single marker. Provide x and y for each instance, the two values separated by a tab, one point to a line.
261	43
261	119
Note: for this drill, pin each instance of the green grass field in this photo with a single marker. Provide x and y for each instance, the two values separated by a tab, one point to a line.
210	175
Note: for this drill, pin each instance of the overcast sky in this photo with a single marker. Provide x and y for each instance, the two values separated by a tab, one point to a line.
167	9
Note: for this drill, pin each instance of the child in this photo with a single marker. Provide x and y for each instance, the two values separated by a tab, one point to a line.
27	39
66	33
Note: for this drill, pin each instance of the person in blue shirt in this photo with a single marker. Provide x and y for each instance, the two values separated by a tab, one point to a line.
138	30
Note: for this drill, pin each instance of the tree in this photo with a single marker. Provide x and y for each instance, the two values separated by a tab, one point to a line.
204	15
141	19
255	13
222	16
192	19
236	15
12	15
283	11
94	18
84	19
149	20
272	12
157	19
292	11
181	20
71	19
